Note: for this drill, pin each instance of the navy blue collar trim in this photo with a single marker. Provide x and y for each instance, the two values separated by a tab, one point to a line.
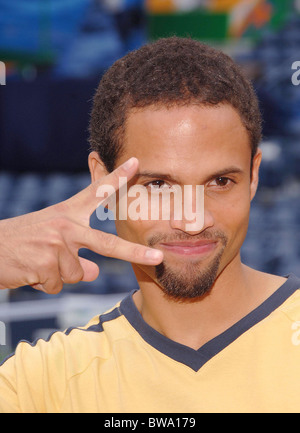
195	359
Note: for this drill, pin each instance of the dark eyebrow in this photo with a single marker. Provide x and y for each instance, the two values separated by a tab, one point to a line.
224	172
153	175
169	178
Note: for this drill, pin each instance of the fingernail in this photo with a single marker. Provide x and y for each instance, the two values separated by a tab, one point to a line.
154	254
128	164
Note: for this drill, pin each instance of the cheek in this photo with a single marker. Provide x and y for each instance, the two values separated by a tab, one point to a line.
233	219
136	231
139	223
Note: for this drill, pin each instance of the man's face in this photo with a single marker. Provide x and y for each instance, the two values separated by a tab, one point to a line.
191	145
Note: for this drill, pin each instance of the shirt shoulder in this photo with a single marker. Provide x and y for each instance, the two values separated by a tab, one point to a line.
291	307
35	378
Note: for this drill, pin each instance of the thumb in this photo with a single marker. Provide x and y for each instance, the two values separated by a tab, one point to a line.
90	269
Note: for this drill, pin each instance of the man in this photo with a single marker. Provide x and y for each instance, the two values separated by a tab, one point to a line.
204	332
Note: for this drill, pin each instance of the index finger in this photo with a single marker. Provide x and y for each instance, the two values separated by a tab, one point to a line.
110	245
87	200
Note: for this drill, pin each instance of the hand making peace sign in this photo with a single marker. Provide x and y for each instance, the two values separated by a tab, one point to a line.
40	249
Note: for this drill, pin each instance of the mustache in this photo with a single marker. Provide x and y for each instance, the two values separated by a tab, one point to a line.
213	235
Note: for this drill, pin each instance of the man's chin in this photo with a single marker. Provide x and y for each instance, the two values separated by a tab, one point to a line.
188	282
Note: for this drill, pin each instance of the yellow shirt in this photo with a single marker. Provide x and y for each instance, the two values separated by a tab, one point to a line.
118	363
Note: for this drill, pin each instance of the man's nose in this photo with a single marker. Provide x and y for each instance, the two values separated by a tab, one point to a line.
194	217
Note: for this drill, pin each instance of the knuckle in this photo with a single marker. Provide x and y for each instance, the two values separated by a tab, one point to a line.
137	252
32	278
56	241
54	237
110	243
53	288
47	259
74	275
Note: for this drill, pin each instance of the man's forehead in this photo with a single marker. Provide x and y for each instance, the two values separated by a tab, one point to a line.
194	124
172	140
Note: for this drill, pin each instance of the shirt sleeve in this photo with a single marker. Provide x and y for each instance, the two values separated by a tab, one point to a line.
33	379
8	396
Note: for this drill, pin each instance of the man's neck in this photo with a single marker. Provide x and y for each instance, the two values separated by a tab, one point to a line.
235	293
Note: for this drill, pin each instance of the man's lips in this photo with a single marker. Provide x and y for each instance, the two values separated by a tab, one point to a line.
190	248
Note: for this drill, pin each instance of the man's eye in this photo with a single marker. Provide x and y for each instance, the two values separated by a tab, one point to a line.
221	182
157	184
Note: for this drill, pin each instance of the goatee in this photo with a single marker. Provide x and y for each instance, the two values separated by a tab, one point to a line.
192	281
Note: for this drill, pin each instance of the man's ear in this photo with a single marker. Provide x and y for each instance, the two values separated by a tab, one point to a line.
96	166
255	173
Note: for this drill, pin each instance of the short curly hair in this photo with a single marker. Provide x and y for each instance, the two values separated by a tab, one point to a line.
169	72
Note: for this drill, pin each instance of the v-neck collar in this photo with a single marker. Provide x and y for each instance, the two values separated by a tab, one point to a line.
195	359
